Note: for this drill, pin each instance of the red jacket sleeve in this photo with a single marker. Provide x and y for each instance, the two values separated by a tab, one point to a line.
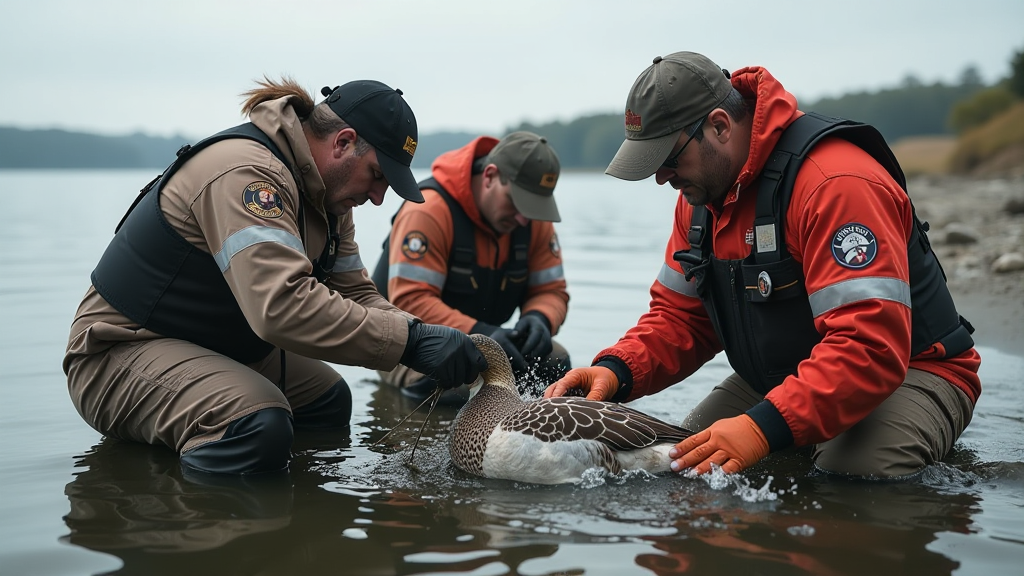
862	312
675	337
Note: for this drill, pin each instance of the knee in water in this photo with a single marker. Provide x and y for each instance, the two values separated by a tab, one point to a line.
253	444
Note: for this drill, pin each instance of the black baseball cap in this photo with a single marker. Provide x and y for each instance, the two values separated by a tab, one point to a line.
382	117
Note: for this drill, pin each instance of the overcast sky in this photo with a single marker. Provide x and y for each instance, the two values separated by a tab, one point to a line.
178	67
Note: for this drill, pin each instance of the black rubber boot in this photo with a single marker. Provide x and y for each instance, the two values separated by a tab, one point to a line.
333	409
254	444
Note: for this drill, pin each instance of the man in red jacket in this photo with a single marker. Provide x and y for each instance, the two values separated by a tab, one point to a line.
847	341
481	246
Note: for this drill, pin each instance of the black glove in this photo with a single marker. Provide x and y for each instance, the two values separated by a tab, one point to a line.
533	332
503	336
445	354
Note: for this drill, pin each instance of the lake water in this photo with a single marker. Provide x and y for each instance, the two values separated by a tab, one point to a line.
72	503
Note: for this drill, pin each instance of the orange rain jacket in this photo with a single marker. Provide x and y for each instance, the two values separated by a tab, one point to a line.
865	350
418	289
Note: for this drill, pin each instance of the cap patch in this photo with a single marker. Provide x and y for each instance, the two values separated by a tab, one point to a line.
414	246
410	145
263	200
633	123
548	180
854	246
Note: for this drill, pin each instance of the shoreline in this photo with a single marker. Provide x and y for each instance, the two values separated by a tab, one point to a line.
970	228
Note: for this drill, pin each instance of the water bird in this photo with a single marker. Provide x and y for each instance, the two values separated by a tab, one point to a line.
497	434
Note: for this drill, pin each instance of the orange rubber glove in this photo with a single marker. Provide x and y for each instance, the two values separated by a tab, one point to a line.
597	382
733	443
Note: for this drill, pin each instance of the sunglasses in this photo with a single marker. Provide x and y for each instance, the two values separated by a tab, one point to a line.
671	163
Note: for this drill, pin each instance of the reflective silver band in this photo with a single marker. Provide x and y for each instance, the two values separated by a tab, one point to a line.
858	290
547	275
417	274
253	235
675	281
348	264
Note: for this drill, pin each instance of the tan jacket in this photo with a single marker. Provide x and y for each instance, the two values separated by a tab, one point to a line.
345	321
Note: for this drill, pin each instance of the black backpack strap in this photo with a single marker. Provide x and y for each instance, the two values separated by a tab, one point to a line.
323	265
519	258
779	173
463	252
695	259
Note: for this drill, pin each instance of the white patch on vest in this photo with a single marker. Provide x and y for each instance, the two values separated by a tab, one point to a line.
765	234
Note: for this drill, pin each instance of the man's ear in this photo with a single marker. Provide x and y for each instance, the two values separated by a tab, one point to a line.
721	124
344	141
490	173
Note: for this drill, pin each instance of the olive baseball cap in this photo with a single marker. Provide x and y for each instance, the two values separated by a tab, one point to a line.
532	165
382	117
672	93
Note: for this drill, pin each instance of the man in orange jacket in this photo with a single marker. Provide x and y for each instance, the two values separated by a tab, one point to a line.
830	305
480	246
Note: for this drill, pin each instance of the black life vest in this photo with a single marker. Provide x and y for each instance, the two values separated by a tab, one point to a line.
160	281
489	295
759	305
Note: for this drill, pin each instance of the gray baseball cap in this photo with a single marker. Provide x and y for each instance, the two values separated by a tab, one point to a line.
532	166
672	93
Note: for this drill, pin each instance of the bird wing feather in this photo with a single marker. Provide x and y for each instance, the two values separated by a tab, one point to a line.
574	418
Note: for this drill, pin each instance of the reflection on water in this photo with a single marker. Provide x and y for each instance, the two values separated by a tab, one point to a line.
373	512
75	504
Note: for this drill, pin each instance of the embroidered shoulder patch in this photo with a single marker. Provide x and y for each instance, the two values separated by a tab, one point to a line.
263	200
414	246
854	246
556	248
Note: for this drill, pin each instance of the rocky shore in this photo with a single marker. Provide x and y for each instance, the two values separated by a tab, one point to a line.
977	230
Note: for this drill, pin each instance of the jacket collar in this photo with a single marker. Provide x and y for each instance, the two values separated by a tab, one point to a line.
774	110
278	119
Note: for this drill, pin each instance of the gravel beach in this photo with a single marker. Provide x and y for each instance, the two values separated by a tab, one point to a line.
977	230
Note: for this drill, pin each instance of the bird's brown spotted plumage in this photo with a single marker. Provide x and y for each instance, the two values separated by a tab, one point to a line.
496	421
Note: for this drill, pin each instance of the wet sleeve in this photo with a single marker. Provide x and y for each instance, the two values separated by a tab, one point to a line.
674	337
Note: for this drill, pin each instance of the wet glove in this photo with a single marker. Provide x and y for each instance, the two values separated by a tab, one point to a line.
733	443
504	338
597	382
444	354
533	332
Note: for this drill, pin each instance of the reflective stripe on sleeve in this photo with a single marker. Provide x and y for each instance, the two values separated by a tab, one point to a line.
416	274
348	264
547	275
675	281
251	236
858	290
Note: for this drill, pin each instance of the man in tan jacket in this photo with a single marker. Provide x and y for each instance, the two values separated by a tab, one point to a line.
235	275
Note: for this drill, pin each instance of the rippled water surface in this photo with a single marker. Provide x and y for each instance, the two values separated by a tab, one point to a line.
74	503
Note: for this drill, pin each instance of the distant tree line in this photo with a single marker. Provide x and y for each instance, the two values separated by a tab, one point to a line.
911	109
63	149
